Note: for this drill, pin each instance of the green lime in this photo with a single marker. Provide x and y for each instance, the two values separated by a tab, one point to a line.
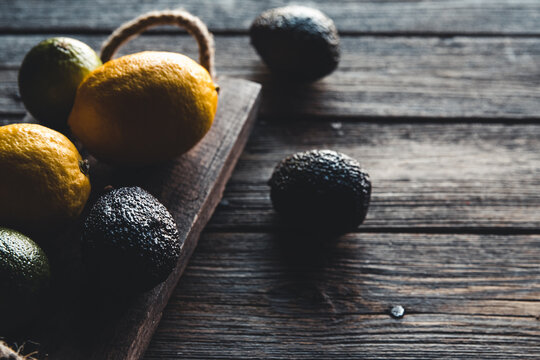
24	279
49	76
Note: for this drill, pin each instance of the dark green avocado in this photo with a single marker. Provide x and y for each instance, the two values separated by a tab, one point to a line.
24	279
296	42
321	190
130	241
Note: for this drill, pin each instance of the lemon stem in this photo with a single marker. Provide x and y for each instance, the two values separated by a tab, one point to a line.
84	166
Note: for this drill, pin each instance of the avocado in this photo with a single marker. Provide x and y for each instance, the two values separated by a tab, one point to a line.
321	190
24	279
296	42
130	241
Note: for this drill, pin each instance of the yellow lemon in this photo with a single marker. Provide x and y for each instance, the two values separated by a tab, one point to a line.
144	108
44	182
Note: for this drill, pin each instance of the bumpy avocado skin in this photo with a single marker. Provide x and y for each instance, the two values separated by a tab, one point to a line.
321	190
296	42
24	279
130	241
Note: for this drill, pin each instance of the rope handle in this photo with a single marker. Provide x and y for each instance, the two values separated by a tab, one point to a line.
194	26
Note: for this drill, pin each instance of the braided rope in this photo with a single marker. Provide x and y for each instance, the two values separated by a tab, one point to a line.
8	353
181	18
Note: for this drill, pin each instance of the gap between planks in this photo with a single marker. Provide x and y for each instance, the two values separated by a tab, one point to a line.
30	31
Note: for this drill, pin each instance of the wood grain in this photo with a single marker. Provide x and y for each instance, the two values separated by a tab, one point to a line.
87	324
439	100
427	77
425	176
366	16
280	295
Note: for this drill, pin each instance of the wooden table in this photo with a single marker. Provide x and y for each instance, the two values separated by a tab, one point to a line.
440	101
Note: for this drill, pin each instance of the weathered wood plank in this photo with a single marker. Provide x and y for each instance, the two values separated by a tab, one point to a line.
83	323
250	295
424	175
367	16
478	78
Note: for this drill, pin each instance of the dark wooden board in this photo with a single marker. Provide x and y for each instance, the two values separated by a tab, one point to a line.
364	16
85	325
258	295
426	77
426	176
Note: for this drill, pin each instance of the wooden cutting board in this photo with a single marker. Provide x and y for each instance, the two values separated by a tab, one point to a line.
83	323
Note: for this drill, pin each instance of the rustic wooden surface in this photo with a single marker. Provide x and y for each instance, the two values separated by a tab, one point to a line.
390	77
351	16
434	177
254	295
440	101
